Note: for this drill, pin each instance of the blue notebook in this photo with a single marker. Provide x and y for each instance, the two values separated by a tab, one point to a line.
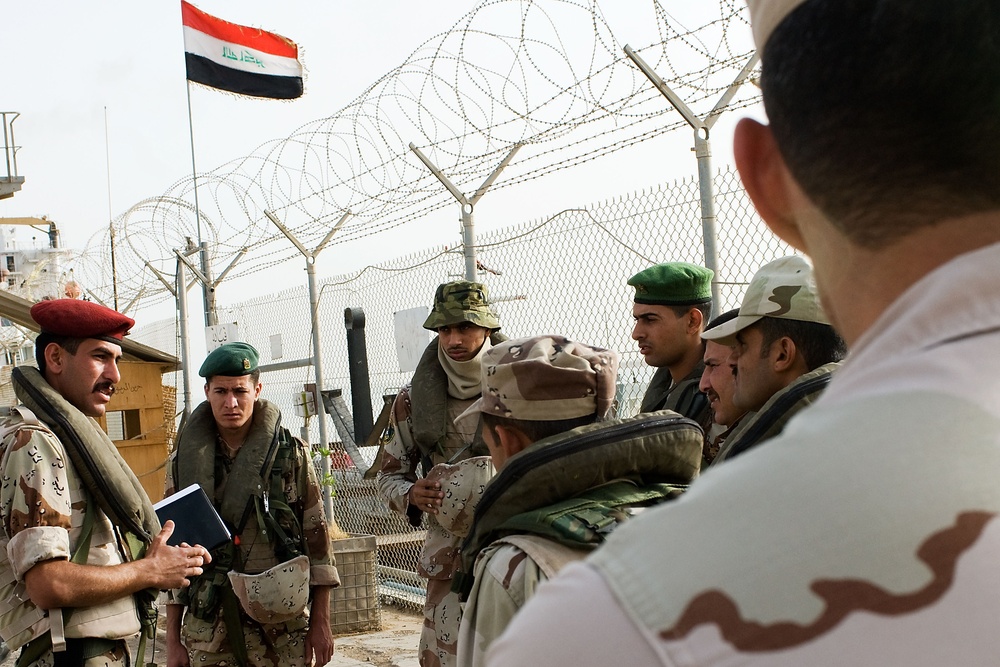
195	519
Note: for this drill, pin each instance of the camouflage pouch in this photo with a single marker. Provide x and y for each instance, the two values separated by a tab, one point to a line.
277	595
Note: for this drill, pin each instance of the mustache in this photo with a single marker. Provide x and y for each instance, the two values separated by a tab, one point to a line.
102	386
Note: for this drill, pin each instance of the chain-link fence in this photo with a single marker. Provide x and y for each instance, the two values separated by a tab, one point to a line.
564	274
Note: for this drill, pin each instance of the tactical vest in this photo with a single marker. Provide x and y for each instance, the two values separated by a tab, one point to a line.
262	498
575	488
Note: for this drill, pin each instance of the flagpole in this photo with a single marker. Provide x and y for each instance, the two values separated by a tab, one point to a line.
194	169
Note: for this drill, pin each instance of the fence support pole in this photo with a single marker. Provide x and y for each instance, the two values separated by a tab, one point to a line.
468	228
703	152
317	356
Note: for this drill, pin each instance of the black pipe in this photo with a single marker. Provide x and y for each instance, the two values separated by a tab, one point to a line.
357	359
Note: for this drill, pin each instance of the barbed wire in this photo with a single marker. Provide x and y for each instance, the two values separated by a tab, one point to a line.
549	76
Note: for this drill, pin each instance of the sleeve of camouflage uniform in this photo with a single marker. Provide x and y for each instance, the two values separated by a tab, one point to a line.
315	532
35	505
401	456
506	578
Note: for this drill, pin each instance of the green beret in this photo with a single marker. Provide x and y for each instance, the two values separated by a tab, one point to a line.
231	359
673	284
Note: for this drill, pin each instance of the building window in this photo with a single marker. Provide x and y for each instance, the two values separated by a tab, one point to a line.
123	424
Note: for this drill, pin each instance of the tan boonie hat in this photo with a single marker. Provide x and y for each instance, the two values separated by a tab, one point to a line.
785	289
766	15
277	595
546	378
461	301
463	484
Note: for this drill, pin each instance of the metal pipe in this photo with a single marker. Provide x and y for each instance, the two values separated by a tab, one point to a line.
703	151
469	242
182	314
208	287
357	358
318	367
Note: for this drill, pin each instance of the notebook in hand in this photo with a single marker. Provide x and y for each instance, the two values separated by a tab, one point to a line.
195	519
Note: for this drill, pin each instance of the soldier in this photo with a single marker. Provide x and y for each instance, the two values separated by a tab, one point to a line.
783	349
566	479
263	483
868	532
672	304
422	433
717	383
83	554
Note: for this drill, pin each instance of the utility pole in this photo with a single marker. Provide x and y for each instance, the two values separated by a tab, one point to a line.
703	152
468	230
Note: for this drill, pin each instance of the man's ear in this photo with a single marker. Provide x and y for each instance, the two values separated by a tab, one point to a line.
696	321
784	354
766	179
55	356
512	439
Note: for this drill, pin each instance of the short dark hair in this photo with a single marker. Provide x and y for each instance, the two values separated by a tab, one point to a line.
254	376
705	308
536	430
886	110
43	340
817	343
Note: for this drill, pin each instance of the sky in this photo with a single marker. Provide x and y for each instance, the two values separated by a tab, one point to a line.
104	111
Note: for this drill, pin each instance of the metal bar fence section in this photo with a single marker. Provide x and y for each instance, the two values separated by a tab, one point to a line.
564	274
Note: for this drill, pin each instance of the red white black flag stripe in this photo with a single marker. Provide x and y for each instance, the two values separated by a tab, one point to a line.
239	59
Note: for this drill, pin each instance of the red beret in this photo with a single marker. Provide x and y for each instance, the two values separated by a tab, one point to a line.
80	319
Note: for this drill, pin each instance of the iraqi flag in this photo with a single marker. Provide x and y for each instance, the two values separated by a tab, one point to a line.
239	59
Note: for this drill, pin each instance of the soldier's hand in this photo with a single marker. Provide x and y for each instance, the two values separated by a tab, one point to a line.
175	565
426	495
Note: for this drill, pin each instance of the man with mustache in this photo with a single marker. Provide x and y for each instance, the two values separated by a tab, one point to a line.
83	555
717	382
672	303
422	433
868	532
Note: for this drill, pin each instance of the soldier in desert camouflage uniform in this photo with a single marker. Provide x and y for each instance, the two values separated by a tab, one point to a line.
222	448
65	487
538	394
422	433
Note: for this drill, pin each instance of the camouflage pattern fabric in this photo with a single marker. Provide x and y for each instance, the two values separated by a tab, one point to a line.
439	556
547	378
115	657
281	644
461	301
42	507
463	484
506	578
302	491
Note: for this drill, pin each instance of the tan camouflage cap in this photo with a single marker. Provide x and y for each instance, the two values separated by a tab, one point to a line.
277	595
546	378
766	15
463	484
461	301
785	289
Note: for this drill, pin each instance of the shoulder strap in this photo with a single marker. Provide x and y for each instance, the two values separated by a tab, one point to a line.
548	555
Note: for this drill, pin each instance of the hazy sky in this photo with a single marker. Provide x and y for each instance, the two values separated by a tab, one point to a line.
72	66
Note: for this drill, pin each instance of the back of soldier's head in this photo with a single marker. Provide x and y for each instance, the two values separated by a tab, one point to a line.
885	110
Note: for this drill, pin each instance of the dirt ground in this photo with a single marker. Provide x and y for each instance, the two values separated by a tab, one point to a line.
393	646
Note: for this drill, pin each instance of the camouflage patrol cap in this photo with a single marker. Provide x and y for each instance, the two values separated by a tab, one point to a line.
277	595
463	484
231	360
546	378
461	301
784	289
673	284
